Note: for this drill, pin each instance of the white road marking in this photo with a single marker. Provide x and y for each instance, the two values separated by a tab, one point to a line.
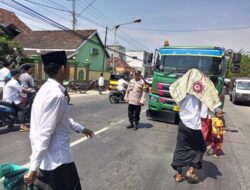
85	138
96	133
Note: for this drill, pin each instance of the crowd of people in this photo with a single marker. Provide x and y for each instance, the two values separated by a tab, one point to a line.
51	162
16	88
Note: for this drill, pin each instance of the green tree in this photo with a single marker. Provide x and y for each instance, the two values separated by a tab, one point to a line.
244	67
9	47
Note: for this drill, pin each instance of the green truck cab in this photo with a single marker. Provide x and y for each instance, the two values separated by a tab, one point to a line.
172	63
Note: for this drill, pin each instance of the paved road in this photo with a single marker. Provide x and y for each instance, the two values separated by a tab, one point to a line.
118	158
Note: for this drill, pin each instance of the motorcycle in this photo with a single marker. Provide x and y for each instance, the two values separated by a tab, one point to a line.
116	97
9	113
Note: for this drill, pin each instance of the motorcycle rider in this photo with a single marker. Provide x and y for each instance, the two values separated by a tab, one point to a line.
11	94
26	78
121	85
27	82
4	75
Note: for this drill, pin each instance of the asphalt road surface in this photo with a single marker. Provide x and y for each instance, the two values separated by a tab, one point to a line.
123	159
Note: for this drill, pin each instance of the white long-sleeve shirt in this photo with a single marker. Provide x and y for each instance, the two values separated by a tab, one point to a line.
101	81
11	92
190	112
50	128
121	84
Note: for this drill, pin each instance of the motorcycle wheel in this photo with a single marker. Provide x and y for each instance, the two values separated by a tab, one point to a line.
113	99
83	90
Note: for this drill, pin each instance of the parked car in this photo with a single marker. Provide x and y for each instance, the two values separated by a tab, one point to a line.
239	90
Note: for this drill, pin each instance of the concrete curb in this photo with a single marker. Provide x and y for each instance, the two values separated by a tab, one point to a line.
88	93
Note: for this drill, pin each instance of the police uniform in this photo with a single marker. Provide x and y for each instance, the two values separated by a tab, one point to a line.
135	96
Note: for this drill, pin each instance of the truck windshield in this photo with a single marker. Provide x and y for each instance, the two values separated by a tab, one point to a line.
241	85
181	64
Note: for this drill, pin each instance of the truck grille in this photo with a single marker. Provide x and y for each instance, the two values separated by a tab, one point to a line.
163	92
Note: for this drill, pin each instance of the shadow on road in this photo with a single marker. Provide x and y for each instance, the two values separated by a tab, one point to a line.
7	130
209	170
145	125
243	104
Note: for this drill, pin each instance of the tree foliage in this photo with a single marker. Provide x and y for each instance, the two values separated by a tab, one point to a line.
244	67
9	47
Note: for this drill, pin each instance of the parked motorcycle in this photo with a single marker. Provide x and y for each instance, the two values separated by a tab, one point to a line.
116	97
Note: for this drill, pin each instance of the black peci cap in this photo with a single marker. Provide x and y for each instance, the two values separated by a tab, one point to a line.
56	57
14	72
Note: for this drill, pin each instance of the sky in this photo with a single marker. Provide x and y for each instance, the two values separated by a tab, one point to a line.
223	23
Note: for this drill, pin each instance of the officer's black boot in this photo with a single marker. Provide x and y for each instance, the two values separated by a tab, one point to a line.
130	126
136	126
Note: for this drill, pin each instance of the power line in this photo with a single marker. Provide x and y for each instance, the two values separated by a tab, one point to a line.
86	7
93	15
97	13
57	4
133	41
187	30
94	22
54	14
35	14
48	6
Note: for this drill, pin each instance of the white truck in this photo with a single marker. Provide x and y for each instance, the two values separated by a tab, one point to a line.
239	90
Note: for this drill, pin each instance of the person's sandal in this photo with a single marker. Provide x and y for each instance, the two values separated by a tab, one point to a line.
23	128
179	180
192	178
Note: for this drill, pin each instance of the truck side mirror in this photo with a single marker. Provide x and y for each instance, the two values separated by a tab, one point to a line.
159	67
236	63
236	58
150	58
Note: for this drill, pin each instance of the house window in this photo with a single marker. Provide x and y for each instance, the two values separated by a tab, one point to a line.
80	75
134	57
94	51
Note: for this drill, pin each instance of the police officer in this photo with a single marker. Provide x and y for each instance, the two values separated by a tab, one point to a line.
135	97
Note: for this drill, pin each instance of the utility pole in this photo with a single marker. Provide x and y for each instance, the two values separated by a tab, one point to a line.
74	14
105	44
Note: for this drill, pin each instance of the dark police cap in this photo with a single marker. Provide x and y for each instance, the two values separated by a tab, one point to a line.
56	57
137	72
14	72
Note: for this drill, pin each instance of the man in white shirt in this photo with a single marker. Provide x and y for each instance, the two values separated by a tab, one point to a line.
121	85
12	94
101	83
4	75
51	161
